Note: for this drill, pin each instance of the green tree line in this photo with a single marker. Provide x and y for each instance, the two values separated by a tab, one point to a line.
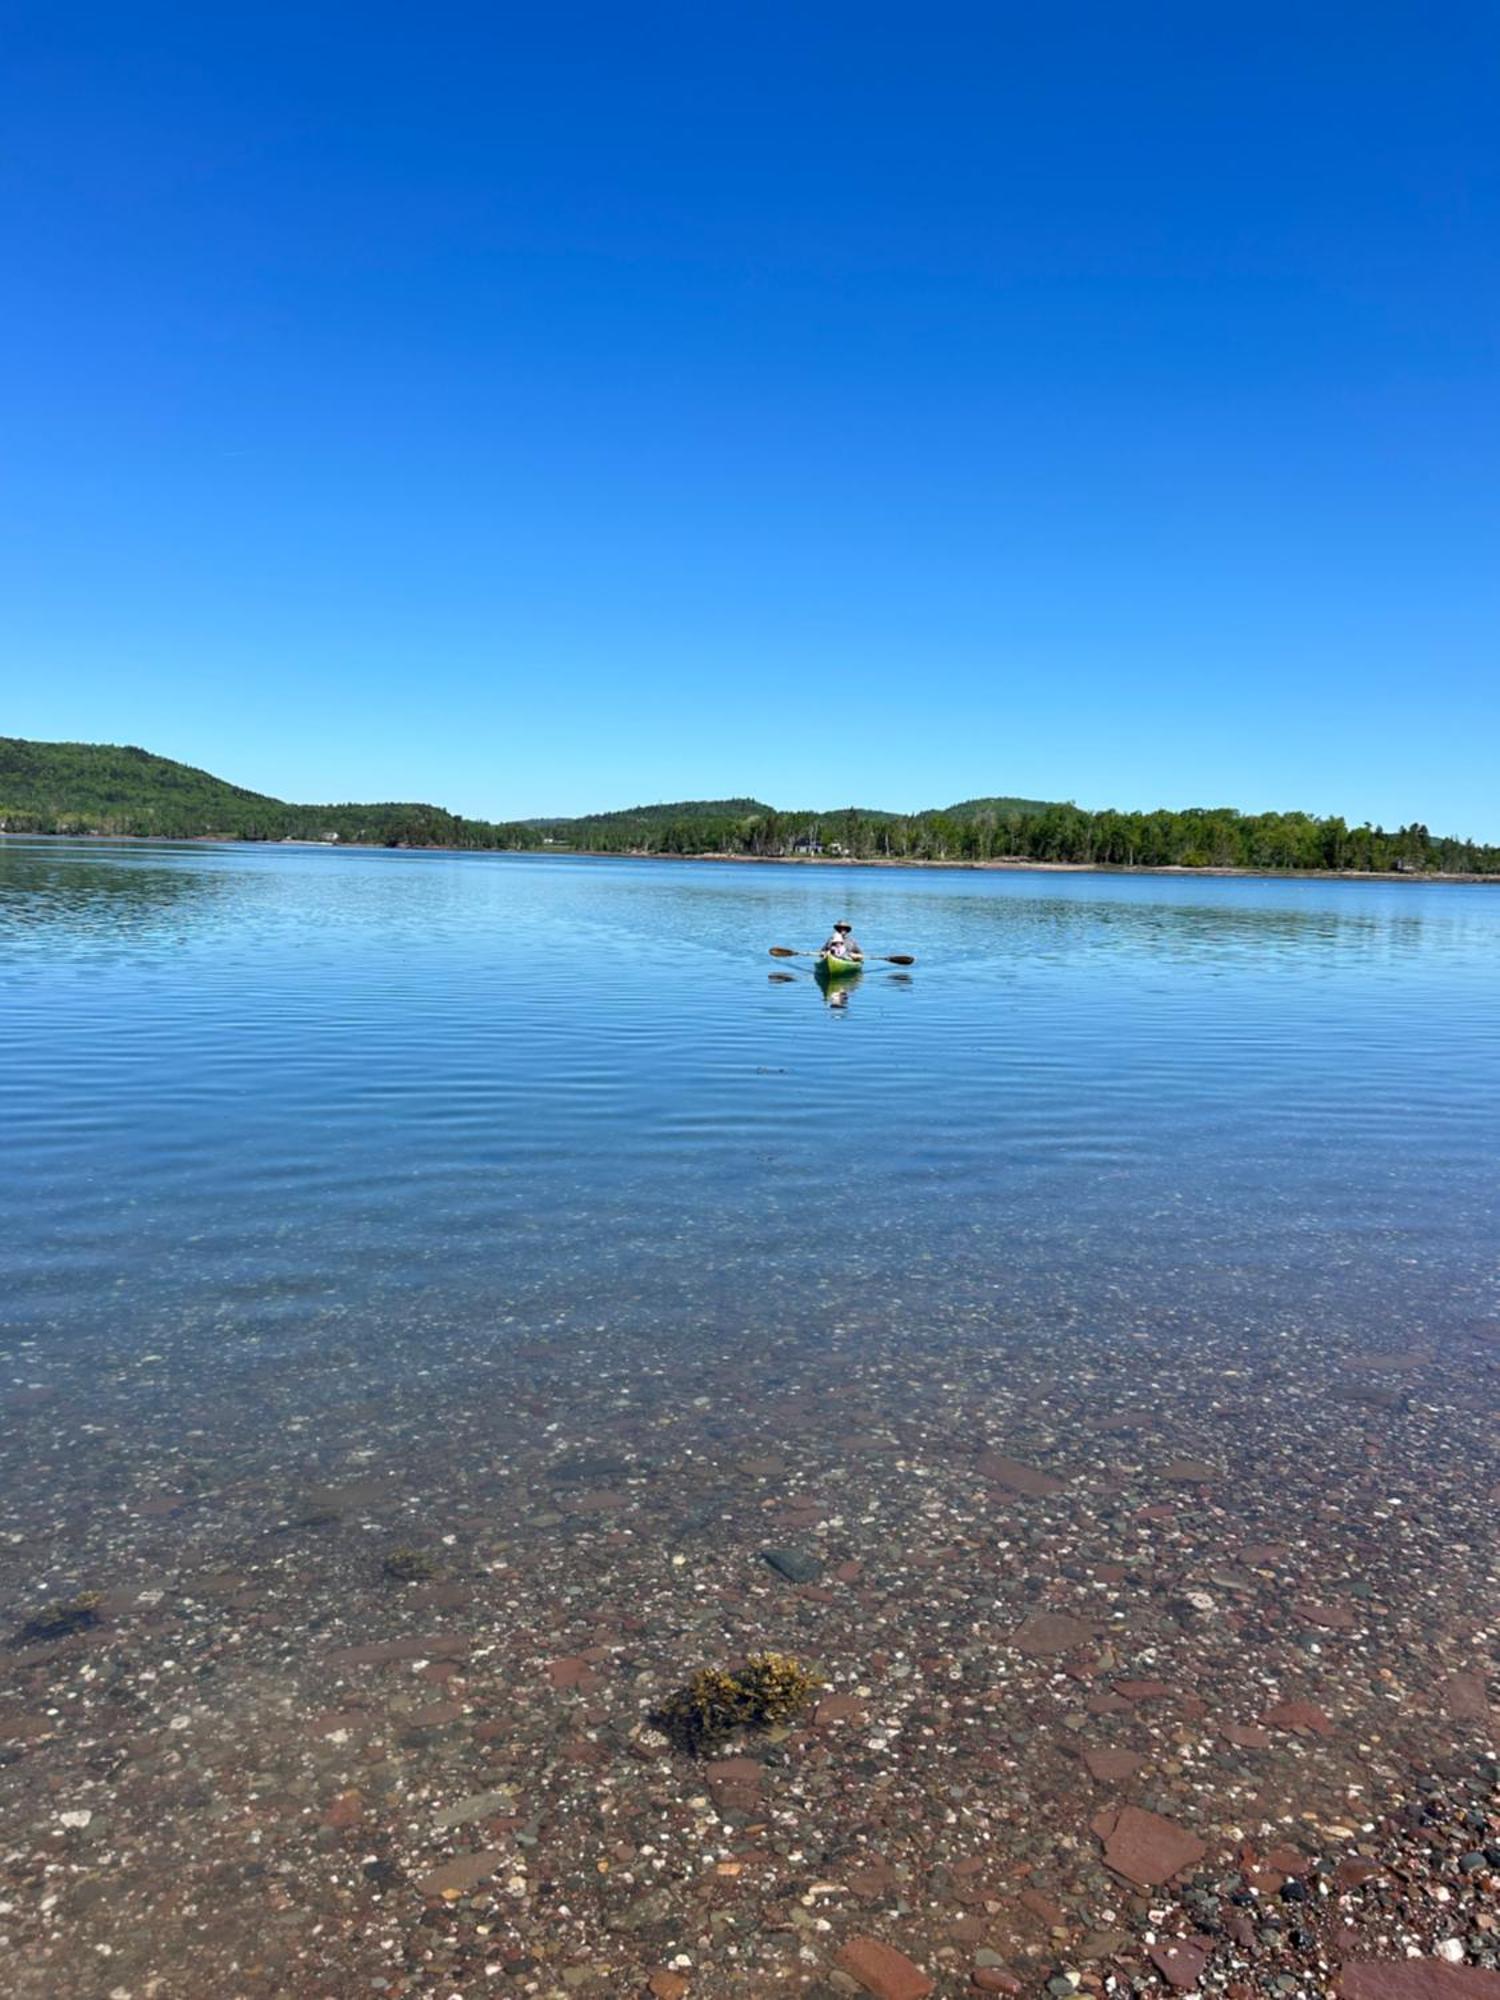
1216	837
83	788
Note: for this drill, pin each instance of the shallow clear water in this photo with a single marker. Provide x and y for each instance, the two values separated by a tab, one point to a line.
246	1090
432	1287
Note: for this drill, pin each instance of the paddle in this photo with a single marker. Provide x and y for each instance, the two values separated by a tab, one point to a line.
870	958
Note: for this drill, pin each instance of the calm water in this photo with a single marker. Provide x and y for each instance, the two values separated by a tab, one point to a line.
248	1093
1104	1315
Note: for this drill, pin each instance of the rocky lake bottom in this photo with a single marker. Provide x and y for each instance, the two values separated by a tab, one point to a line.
1152	1670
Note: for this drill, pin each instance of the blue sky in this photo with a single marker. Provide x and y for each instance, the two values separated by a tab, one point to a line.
548	408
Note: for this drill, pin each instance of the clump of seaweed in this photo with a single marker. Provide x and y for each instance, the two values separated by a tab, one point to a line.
779	1687
409	1566
60	1621
704	1713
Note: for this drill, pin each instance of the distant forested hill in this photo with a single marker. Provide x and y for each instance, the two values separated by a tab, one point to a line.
104	788
98	788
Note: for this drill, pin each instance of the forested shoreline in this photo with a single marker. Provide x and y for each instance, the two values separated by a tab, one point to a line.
1196	838
63	788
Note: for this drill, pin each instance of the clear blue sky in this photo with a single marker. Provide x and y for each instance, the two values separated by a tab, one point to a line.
549	407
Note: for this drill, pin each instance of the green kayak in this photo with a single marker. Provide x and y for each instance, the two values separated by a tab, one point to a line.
838	968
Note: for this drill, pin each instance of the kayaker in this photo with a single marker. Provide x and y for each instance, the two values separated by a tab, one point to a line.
843	943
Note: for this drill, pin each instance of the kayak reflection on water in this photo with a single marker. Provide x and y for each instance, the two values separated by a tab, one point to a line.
837	983
837	986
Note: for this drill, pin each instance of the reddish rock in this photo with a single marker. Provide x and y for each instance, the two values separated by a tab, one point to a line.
877	1878
1144	1847
445	1596
1245	1736
1107	1704
1289	1860
454	1877
1298	1716
1265	1555
1416	1979
989	1979
1143	1690
883	1971
1354	1869
1465	1700
1328	1617
664	1984
735	1771
833	1708
1111	1766
1190	1471
573	1673
1048	1632
735	1783
1179	1963
1051	1913
344	1811
1019	1478
18	1727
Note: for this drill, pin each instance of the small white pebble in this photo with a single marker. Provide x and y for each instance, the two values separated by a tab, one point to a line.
1452	1949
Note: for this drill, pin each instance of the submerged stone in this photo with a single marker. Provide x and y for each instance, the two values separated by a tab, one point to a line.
1146	1848
883	1971
1416	1979
793	1564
